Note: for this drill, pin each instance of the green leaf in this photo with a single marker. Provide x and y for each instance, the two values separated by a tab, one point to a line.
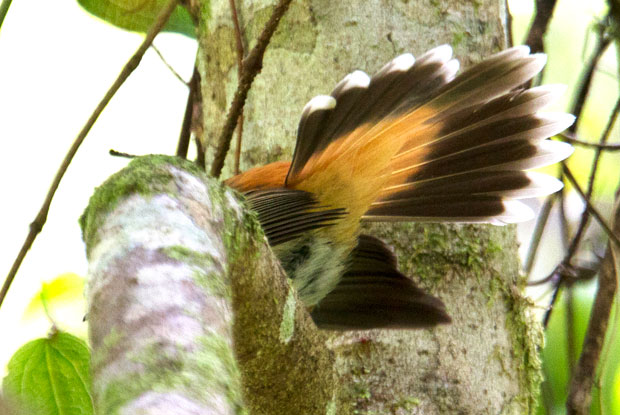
51	376
555	355
138	15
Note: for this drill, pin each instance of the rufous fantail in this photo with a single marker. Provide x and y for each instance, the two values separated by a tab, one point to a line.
414	142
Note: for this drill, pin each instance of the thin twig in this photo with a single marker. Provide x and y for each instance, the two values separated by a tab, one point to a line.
186	127
613	236
130	66
544	12
580	393
572	139
564	222
594	169
170	68
554	297
115	153
201	152
571	349
538	232
239	142
4	8
240	56
509	21
251	67
585	82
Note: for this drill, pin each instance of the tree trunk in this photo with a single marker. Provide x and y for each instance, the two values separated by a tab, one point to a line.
486	361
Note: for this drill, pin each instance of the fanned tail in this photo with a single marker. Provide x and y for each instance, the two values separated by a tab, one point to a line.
414	142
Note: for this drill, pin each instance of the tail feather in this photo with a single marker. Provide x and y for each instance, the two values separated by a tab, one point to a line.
506	184
359	102
513	105
489	79
452	208
492	160
462	143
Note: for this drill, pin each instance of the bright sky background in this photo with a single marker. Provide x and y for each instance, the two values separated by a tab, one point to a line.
57	62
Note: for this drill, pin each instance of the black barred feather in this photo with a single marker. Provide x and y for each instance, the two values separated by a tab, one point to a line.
438	176
285	214
489	79
452	208
507	184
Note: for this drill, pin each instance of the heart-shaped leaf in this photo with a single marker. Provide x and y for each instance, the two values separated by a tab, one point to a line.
51	376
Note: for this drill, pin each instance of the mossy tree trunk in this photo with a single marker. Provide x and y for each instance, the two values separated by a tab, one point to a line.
486	361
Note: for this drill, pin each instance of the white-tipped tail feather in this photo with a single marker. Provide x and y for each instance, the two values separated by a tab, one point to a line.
514	212
318	103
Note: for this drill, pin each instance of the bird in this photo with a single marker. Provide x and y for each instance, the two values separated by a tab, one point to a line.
416	141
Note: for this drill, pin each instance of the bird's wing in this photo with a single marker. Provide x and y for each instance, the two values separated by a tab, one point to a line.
285	214
374	294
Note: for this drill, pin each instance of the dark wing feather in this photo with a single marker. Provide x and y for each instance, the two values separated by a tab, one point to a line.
448	129
373	294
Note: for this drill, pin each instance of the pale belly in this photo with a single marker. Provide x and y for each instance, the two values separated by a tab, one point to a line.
314	265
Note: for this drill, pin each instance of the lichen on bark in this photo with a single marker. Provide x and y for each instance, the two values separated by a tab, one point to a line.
173	257
159	322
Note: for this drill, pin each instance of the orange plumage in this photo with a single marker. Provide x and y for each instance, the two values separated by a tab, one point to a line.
414	142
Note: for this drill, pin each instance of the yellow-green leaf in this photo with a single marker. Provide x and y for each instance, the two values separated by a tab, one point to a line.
139	15
65	288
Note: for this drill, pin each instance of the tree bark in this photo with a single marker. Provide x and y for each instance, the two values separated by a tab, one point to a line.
178	267
486	361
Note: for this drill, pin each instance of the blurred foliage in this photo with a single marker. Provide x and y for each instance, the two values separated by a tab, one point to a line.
556	361
61	302
569	43
138	15
51	376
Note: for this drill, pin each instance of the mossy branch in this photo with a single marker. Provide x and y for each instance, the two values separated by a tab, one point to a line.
187	306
